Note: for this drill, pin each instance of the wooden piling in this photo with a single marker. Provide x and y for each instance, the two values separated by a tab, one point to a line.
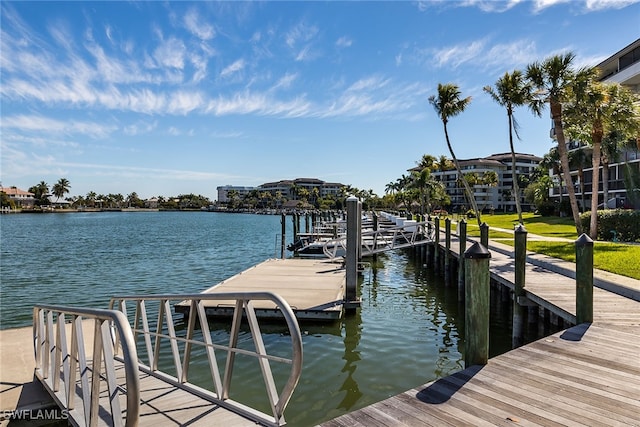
283	223
584	279
484	234
436	245
477	307
520	243
353	242
429	246
462	239
447	251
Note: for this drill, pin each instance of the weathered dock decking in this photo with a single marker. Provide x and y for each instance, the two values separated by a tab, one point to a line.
314	288
587	375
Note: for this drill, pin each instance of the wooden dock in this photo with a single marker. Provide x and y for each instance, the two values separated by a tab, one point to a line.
587	375
314	288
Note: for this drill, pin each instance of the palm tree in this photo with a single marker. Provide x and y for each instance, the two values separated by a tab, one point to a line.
424	182
91	198
551	162
596	110
444	164
61	188
427	161
513	90
449	104
553	78
40	192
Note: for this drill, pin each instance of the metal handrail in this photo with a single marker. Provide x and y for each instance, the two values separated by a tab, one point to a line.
56	365
384	239
243	308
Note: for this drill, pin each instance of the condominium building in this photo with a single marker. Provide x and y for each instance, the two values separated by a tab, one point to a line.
225	190
289	189
497	196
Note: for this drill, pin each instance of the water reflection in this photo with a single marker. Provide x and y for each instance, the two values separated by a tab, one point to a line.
352	333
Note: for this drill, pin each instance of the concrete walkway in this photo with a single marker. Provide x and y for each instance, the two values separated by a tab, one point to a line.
616	283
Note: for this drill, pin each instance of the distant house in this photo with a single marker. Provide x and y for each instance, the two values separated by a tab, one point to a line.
21	199
151	203
56	203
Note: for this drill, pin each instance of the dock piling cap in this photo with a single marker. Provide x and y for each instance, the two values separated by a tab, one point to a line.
477	251
584	240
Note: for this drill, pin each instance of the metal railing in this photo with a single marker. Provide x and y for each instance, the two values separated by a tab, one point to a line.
58	368
385	239
149	336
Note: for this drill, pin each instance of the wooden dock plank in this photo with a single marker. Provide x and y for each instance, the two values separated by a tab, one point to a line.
529	386
314	287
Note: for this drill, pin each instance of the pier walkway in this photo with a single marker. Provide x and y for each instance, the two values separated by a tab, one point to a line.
587	375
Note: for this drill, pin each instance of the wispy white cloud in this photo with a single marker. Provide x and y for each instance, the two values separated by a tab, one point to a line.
372	97
140	127
233	68
596	5
482	54
285	81
258	103
171	53
300	39
197	26
300	33
456	55
500	6
41	124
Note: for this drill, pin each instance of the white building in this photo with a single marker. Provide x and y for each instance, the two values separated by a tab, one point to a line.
498	197
223	192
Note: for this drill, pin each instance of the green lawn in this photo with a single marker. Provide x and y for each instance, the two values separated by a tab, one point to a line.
617	258
534	224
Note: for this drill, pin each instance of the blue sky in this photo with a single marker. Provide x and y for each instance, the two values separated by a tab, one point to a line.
168	98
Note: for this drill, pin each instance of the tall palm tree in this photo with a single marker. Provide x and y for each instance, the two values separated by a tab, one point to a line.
596	110
449	104
513	90
61	188
553	78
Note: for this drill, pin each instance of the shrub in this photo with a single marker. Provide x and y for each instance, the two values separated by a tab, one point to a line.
471	213
624	222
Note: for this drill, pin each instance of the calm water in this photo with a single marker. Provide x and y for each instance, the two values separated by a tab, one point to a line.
408	331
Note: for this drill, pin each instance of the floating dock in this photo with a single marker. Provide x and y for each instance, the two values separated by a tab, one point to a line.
314	288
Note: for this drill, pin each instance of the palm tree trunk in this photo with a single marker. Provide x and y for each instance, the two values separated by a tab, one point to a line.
514	175
605	182
467	188
556	114
593	220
